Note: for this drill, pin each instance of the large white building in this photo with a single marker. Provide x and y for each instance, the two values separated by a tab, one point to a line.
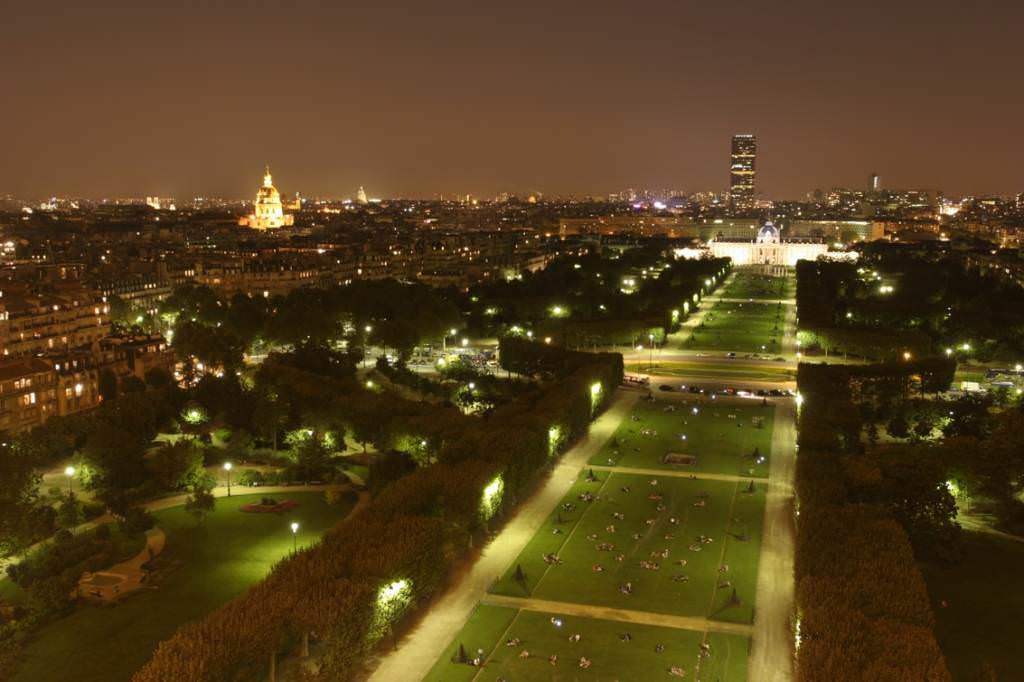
768	248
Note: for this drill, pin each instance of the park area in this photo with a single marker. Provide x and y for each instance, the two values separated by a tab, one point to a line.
668	545
977	608
751	284
202	566
694	434
741	327
650	652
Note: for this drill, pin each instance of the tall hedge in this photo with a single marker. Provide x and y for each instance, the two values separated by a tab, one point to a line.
862	602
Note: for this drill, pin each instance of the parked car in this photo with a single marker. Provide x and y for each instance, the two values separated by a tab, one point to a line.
664	387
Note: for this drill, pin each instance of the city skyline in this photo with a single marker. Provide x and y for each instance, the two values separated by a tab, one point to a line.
119	100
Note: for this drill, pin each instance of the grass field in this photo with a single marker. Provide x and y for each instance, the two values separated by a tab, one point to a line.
207	566
722	435
611	658
979	628
758	286
742	327
730	517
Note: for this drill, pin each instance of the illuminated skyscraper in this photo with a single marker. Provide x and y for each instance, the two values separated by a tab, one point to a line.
875	183
742	171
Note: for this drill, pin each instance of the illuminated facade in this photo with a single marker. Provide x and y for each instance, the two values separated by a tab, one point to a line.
742	171
268	212
768	249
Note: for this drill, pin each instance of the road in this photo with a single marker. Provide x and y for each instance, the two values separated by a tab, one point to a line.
418	650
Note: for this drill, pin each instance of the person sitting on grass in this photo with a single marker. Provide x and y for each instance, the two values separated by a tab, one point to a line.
553	659
525	653
597	568
584	662
515	641
575	637
676	671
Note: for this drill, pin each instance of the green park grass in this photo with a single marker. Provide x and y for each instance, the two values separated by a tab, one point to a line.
757	286
741	327
612	659
980	624
722	444
731	517
202	567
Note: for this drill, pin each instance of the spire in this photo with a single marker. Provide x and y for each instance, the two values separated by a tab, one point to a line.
267	180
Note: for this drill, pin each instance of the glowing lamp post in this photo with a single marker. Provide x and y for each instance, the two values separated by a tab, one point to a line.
70	473
650	337
295	536
227	471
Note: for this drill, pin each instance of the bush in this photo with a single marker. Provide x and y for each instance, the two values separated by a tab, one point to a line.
137	520
252	477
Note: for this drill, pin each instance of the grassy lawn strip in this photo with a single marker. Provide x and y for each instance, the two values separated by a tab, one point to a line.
612	659
757	286
483	630
590	524
722	436
979	628
201	568
741	327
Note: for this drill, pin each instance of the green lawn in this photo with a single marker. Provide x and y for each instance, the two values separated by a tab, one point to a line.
740	327
206	566
979	628
722	435
731	517
758	286
611	658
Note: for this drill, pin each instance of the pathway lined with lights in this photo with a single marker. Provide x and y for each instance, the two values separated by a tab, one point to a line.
418	650
620	615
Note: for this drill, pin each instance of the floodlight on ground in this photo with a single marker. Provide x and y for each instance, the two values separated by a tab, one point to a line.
949	351
906	355
69	471
799	399
465	342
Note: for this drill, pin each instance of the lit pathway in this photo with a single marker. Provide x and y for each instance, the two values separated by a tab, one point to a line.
675	474
621	615
419	649
771	658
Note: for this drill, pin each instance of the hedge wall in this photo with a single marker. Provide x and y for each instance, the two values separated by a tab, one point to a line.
863	610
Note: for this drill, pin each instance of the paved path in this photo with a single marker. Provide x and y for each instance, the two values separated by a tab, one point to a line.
771	659
676	474
622	615
418	650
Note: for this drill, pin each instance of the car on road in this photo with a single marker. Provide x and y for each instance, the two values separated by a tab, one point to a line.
664	387
701	355
730	355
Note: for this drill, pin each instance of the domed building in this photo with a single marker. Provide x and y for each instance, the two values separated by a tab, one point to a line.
769	248
268	212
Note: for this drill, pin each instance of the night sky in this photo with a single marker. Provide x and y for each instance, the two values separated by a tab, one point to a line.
133	98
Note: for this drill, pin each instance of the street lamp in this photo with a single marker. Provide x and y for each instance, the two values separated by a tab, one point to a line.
227	469
650	337
906	355
70	473
295	530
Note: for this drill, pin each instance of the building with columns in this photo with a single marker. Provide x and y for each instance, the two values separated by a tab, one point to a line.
768	248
